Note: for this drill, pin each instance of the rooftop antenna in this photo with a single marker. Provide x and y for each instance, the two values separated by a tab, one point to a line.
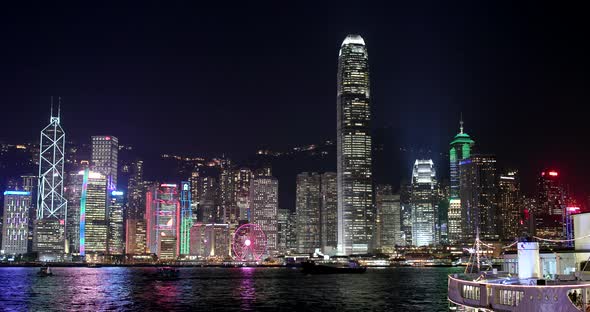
59	106
52	106
461	123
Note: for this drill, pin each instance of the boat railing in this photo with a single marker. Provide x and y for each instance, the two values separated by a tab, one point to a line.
466	290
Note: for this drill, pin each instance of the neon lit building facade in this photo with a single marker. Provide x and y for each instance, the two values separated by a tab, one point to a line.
15	226
355	189
186	217
49	238
162	221
93	214
105	151
461	147
116	238
424	202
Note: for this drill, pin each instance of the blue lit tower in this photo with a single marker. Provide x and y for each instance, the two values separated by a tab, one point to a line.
186	217
50	225
460	149
116	232
354	177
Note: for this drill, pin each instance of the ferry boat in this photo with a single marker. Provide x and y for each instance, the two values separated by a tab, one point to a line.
529	289
313	267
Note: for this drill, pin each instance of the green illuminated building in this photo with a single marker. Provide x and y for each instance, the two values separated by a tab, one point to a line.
186	218
460	149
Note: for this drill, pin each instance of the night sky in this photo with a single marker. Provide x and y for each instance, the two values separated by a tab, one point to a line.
207	80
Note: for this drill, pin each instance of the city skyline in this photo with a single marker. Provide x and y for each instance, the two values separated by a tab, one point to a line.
255	156
428	68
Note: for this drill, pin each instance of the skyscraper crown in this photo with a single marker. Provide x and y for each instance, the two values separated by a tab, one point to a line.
353	39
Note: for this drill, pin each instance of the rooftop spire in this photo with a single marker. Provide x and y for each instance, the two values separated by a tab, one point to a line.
461	123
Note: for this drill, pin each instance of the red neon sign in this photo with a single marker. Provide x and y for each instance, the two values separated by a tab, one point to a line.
573	209
553	173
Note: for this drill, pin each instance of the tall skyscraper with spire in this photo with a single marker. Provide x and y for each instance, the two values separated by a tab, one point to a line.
50	224
355	189
460	149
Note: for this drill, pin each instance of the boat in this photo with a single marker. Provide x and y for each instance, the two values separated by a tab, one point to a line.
93	265
44	271
313	267
527	289
167	272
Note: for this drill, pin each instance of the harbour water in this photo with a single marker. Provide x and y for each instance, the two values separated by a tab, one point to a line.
223	289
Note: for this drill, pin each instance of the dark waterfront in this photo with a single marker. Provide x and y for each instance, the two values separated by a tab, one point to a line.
223	289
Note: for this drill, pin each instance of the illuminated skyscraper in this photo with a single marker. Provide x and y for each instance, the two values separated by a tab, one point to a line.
479	191
406	214
162	218
550	214
105	151
355	191
508	205
307	205
73	194
116	235
264	201
329	213
282	230
49	239
424	203
15	225
460	149
135	226
186	218
93	213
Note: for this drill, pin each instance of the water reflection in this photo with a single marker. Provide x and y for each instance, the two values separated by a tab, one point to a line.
221	289
247	289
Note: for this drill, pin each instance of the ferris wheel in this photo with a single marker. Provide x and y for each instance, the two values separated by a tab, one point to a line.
249	243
